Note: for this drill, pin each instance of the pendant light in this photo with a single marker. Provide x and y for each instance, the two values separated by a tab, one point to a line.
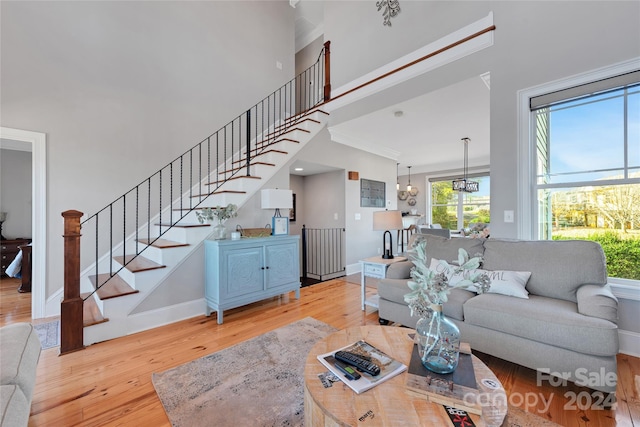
397	177
464	184
409	184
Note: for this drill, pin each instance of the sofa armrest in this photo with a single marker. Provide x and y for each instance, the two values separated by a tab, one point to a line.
597	301
399	270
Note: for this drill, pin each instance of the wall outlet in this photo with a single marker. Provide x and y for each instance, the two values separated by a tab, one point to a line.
358	217
508	216
379	251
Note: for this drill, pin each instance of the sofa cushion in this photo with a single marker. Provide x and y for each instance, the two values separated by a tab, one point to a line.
395	290
558	268
19	351
454	307
505	282
14	407
447	249
547	320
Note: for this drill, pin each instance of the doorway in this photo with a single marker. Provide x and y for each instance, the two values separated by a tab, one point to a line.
37	140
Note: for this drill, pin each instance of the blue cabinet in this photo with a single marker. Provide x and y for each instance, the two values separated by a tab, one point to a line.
239	272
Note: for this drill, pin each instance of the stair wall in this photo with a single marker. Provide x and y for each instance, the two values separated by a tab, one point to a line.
163	294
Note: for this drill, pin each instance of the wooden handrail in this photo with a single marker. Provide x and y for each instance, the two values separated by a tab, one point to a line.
71	321
429	55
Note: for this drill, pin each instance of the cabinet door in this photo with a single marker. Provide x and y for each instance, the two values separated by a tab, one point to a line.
282	260
244	271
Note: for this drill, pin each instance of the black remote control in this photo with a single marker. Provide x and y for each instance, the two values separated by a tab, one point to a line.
347	370
358	361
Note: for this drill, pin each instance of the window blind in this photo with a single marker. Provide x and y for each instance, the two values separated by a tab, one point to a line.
588	89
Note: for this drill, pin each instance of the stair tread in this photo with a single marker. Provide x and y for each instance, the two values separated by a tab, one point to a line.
91	314
182	225
244	166
218	192
113	287
138	263
222	181
288	130
265	144
262	153
163	243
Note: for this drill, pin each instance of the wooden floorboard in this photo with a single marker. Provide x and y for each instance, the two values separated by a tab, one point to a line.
109	383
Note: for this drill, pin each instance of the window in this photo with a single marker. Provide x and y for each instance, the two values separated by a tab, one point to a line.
456	210
587	168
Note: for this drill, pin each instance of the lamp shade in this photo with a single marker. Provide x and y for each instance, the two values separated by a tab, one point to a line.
276	199
387	220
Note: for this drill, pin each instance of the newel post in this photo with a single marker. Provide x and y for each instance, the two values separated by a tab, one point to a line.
327	71
71	321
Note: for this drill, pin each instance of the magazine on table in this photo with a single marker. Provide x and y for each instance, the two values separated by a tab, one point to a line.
389	367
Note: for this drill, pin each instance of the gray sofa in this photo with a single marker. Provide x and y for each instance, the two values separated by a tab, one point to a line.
19	352
565	327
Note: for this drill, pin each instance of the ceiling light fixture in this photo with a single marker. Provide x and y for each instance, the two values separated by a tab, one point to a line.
464	184
409	184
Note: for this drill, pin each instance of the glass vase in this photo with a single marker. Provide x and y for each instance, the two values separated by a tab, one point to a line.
219	232
438	340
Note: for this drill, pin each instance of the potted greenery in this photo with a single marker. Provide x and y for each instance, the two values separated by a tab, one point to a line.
221	214
438	337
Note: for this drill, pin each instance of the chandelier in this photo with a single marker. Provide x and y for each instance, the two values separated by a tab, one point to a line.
464	184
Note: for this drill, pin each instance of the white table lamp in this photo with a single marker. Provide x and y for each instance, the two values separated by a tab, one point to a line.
385	221
277	199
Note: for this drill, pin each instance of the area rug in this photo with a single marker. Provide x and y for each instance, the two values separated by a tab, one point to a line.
49	334
258	382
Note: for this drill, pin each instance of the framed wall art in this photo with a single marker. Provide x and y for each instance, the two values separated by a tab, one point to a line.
372	193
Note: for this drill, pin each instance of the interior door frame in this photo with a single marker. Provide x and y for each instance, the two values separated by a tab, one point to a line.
38	212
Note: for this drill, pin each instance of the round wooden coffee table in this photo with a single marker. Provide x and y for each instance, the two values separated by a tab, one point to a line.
389	403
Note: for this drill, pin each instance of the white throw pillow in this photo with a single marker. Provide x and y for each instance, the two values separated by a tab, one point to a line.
504	282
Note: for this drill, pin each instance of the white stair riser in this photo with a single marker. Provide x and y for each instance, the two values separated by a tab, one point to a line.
185	234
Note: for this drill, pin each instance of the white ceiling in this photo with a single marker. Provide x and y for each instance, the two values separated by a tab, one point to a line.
427	136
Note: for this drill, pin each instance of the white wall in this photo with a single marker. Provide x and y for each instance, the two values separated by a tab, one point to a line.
361	240
122	88
324	200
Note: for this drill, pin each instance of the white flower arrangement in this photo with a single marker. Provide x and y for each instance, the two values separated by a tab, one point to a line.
219	213
432	288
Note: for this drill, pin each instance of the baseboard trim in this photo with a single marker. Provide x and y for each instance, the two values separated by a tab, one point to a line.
629	342
165	315
354	268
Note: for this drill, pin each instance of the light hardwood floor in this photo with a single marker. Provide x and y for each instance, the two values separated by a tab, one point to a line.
109	383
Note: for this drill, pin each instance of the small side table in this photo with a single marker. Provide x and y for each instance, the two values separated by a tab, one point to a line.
375	267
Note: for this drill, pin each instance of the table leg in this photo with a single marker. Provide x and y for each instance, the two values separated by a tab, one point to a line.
363	287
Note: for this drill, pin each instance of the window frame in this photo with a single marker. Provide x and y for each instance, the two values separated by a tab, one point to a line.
483	170
527	151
